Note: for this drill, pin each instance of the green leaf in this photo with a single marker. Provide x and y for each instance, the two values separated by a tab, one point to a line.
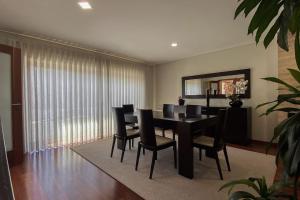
246	182
268	18
250	6
277	80
241	7
295	162
271	34
264	7
295	74
293	101
297	49
263	104
293	25
287	110
282	38
241	195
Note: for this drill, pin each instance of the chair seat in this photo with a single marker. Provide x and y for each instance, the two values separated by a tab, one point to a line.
161	141
204	141
132	133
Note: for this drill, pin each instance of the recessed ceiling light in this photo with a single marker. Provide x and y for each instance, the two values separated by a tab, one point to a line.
174	44
85	5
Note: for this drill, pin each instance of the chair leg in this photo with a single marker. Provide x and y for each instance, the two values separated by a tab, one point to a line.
132	142
218	165
113	146
143	151
226	158
175	155
173	134
200	154
138	156
152	163
123	150
163	133
129	144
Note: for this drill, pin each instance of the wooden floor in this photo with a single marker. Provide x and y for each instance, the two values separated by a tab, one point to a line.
61	174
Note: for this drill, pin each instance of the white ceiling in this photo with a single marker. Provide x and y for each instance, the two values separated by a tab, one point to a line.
142	29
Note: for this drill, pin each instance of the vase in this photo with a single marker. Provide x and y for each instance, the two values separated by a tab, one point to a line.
236	104
181	102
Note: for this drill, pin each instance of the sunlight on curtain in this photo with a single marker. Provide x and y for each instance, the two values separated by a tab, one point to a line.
68	95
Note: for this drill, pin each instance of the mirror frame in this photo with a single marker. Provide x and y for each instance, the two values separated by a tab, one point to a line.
246	73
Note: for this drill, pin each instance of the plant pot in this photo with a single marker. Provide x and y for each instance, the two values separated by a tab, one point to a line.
236	104
181	102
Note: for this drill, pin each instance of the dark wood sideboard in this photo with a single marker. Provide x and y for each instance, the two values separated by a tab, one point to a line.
239	127
239	124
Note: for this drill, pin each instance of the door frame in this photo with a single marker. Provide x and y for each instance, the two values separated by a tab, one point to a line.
16	156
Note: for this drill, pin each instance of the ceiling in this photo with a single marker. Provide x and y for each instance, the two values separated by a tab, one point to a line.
135	28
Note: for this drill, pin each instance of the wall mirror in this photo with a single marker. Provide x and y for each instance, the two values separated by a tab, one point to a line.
216	84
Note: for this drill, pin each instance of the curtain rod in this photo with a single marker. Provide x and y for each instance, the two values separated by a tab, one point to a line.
73	46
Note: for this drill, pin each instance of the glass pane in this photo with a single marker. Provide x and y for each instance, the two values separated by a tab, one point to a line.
5	99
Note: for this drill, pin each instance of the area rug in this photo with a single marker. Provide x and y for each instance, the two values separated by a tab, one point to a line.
166	183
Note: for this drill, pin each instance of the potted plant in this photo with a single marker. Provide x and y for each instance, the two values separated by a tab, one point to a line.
233	92
181	101
283	16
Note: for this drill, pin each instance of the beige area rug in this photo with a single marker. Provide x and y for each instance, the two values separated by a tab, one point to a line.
166	183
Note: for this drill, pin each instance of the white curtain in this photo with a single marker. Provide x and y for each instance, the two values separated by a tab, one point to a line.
68	94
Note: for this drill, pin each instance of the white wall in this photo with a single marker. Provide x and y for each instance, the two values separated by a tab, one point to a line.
263	63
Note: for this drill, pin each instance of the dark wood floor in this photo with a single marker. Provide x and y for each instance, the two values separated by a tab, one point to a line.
61	174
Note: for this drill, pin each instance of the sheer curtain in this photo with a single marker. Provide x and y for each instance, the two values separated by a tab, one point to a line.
68	94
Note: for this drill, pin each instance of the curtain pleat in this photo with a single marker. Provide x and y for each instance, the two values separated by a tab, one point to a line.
68	95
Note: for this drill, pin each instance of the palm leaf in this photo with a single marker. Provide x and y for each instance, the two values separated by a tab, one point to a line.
240	195
295	74
247	182
297	49
264	23
277	80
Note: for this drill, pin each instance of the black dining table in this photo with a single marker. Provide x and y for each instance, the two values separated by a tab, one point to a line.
184	126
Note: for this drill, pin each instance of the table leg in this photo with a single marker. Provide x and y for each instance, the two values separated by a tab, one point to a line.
185	150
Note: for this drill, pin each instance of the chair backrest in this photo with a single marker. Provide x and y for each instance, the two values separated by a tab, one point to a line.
193	110
168	109
119	118
220	128
146	127
128	108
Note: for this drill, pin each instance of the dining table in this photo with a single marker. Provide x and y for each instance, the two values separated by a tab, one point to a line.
184	126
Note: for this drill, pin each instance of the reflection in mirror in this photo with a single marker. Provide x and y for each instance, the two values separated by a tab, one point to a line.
217	84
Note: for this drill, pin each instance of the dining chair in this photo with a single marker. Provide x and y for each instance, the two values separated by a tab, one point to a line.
168	111
150	141
121	133
216	143
129	108
193	110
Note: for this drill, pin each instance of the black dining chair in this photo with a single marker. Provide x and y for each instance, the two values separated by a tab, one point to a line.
128	109
216	143
168	111
193	110
121	133
150	141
